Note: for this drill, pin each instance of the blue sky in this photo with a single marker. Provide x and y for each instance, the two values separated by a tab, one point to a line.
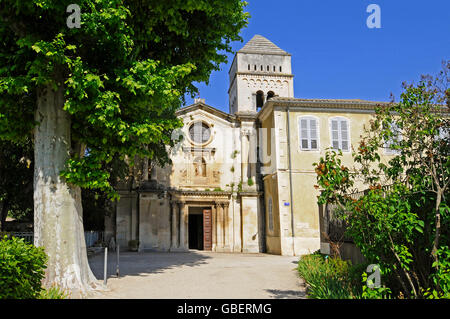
335	54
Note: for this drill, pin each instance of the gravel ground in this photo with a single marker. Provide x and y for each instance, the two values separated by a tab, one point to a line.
199	275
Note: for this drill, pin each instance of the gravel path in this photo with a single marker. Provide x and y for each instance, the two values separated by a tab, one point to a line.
199	275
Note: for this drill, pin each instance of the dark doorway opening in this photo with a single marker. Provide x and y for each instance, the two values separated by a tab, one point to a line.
195	231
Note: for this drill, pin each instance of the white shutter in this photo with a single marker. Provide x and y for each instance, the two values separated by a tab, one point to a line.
395	138
335	134
304	137
344	135
308	134
340	135
313	134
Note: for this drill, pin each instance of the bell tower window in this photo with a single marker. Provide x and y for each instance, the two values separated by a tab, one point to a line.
259	99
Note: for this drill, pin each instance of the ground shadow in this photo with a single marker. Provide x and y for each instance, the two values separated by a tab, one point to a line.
144	263
286	294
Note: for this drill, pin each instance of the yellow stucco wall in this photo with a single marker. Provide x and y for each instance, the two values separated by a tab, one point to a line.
304	203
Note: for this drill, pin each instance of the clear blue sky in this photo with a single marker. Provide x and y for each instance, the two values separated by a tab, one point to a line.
334	53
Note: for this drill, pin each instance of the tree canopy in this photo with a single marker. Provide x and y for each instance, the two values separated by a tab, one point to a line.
124	71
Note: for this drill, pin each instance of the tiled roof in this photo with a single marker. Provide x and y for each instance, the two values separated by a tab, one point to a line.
259	44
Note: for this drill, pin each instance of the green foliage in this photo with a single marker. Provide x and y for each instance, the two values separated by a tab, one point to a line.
401	219
250	182
21	269
333	278
441	278
53	292
124	73
16	180
327	278
381	292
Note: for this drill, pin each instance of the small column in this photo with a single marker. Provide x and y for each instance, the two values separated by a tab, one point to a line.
229	227
174	226
244	156
183	226
219	226
214	225
252	158
145	169
153	174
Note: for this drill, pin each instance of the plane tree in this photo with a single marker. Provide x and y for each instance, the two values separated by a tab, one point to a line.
108	88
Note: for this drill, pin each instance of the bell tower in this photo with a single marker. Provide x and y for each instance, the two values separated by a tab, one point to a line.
260	70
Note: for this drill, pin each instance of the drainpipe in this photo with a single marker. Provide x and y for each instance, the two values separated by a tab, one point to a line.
290	180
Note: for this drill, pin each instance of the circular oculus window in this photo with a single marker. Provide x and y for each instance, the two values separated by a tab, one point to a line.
199	132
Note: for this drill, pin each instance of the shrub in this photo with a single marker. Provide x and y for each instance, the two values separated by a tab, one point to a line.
326	278
21	269
382	292
53	292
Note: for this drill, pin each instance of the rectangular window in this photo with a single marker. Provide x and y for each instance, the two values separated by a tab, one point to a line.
393	140
340	137
308	134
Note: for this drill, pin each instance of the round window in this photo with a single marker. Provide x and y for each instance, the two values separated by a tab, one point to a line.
199	132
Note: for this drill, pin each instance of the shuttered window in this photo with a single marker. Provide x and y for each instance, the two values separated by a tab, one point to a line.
340	135
393	140
309	135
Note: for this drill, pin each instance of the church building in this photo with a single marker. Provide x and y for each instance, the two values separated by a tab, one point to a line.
243	181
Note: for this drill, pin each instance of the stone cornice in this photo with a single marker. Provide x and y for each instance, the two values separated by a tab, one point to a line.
319	105
259	74
199	193
263	53
265	74
246	116
226	116
250	193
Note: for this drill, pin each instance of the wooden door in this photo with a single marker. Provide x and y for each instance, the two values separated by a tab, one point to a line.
207	229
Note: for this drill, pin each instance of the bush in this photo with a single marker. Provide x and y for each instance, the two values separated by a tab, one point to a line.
21	269
327	278
53	292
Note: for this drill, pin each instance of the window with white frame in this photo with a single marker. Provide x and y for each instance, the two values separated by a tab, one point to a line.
309	133
393	140
340	134
270	213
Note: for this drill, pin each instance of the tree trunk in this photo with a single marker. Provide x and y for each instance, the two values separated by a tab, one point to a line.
58	216
438	228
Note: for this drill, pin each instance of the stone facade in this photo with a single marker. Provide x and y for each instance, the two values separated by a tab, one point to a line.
242	181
